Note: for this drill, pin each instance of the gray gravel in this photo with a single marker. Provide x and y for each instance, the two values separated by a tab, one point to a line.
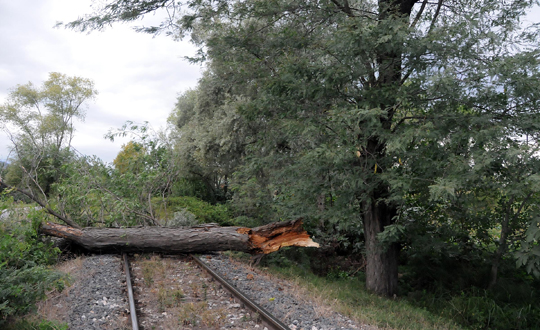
275	296
98	299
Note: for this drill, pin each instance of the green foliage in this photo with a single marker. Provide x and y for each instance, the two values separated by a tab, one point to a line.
24	275
98	194
153	169
36	325
210	137
21	288
417	119
192	186
448	257
40	124
481	309
245	221
129	159
94	194
203	211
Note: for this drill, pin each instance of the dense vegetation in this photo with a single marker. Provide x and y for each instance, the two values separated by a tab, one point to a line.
404	132
24	262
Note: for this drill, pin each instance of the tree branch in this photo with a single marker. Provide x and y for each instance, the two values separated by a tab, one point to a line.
65	219
344	8
435	16
419	14
406	118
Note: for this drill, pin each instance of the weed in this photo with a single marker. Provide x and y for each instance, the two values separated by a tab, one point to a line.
169	298
336	273
197	314
205	288
37	325
162	299
178	295
148	274
188	314
195	289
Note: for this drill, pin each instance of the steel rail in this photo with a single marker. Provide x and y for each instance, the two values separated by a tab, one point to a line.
132	310
266	317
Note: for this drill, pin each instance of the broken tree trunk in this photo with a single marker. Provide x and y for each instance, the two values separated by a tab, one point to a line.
205	238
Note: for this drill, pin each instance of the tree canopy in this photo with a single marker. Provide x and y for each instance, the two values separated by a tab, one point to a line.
367	113
40	124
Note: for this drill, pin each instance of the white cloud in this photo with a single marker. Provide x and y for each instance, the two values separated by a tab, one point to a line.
138	77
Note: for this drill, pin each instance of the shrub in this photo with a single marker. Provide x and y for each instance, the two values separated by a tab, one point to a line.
182	218
203	211
24	275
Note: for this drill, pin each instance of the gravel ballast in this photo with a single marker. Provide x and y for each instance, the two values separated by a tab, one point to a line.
174	293
277	297
97	299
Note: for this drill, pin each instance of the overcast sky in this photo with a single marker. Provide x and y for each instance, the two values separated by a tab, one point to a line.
138	77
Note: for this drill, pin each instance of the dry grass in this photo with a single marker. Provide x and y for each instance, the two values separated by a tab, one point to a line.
197	313
55	307
174	294
349	297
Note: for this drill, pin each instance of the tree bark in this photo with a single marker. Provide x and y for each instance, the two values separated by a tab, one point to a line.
505	232
199	239
501	249
381	263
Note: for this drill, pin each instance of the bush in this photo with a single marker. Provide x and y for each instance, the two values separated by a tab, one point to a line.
203	211
24	275
20	288
183	218
245	221
480	309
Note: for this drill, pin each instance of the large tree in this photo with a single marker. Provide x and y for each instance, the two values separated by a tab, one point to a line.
360	99
40	124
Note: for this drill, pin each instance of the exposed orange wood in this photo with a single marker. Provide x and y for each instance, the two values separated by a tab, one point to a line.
270	238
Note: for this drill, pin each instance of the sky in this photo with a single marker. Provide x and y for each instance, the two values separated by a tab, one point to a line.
138	76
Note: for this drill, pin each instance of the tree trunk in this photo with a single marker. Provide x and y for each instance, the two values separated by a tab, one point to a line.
501	249
505	232
204	238
381	263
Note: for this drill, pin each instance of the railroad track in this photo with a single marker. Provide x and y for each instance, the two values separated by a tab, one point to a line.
174	292
131	297
266	319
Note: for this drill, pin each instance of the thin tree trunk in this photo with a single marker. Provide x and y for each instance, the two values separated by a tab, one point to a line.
321	202
204	238
501	249
505	232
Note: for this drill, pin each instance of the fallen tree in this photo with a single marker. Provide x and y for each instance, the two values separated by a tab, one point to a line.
204	238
